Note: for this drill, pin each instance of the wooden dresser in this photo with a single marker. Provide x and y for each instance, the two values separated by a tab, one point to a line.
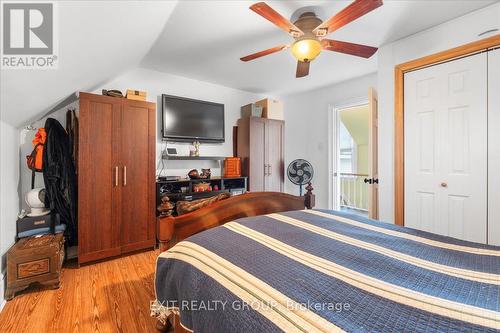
261	149
116	176
34	259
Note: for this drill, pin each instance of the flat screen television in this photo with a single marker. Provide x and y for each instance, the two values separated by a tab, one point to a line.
187	119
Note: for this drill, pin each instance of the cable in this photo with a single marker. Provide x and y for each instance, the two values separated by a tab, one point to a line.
161	163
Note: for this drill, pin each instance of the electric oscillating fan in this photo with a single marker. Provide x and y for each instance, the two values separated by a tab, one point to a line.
300	172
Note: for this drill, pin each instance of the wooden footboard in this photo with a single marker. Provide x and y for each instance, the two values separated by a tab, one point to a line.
174	229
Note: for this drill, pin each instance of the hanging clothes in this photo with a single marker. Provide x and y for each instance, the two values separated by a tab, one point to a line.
60	178
35	159
72	130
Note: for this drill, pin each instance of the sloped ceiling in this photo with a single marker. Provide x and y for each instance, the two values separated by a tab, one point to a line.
209	37
98	40
203	40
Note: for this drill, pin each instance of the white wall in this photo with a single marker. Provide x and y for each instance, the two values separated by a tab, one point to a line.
157	83
445	36
306	128
306	117
9	199
97	41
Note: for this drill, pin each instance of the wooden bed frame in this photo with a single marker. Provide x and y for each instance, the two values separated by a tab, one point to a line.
174	229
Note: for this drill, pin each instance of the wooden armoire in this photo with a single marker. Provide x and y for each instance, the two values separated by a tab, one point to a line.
260	145
116	176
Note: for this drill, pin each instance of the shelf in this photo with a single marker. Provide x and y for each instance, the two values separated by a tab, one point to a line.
197	194
186	180
193	158
173	189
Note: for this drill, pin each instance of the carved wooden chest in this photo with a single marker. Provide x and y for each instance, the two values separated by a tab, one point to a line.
34	259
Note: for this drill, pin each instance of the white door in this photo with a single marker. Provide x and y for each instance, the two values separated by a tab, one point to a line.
446	148
494	147
373	154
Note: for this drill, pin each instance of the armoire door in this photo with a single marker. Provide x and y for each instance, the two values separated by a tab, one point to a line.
257	152
445	129
137	173
275	131
98	178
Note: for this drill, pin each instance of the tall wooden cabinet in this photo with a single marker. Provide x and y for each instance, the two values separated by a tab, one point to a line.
261	149
116	180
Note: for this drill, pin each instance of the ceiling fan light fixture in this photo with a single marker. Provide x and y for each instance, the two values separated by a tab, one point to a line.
306	49
308	31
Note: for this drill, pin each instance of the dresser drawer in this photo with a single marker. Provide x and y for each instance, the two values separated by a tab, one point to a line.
33	268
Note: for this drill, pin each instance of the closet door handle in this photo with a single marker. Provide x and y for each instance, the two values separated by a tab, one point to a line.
116	176
265	170
124	175
269	169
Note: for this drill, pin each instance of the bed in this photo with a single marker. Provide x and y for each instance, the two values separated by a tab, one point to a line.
307	270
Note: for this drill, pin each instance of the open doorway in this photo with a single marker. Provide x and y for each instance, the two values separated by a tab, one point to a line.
354	145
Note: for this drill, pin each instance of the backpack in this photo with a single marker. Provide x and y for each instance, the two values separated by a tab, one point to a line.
35	159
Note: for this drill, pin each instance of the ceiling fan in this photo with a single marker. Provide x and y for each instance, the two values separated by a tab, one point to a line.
309	33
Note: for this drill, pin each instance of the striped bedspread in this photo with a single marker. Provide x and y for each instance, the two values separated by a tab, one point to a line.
326	271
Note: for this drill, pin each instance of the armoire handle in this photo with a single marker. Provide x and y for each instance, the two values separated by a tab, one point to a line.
124	175
116	176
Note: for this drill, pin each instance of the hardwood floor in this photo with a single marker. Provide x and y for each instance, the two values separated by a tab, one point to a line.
110	296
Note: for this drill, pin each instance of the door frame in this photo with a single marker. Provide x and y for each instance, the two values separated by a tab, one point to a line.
373	172
399	71
333	145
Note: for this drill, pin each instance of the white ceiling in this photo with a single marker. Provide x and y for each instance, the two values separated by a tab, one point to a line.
205	39
98	40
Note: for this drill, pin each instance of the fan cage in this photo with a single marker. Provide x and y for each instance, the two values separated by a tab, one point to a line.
300	172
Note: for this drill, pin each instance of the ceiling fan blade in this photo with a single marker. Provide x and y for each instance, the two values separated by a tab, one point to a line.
355	10
274	17
348	48
302	69
264	53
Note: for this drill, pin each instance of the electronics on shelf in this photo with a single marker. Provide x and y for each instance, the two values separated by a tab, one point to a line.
193	189
171	151
168	178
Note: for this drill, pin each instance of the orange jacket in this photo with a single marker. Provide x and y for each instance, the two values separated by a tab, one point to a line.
35	160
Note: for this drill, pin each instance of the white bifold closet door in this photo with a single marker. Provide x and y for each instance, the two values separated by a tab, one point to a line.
446	148
494	147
